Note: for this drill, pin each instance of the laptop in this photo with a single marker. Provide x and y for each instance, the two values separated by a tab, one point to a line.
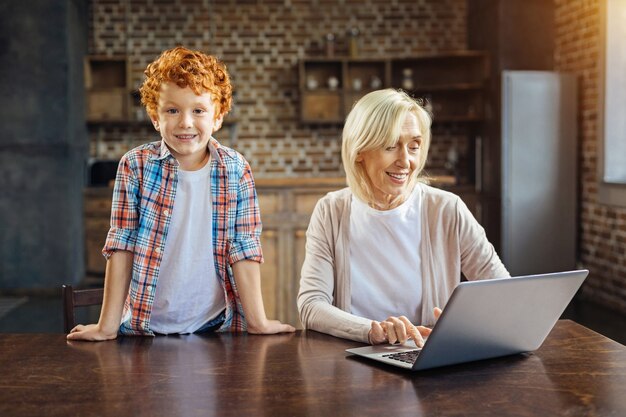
487	319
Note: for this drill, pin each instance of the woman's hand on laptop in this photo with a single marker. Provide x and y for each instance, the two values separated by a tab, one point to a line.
399	330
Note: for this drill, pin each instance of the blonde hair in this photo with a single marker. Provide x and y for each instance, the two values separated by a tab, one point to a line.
375	122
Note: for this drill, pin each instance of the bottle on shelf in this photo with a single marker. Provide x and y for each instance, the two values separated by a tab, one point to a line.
353	45
330	45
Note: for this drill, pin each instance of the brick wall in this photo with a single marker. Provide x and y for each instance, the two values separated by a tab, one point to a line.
261	42
603	228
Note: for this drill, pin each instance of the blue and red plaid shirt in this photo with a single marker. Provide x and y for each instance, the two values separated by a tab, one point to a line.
141	212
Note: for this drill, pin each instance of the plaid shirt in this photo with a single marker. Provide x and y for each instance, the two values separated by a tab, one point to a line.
143	199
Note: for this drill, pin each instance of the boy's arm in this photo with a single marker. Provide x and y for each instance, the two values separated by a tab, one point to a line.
248	278
116	283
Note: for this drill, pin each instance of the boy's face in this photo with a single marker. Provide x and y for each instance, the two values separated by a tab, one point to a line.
186	122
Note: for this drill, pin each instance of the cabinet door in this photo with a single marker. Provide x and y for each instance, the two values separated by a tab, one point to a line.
95	235
322	107
285	212
270	206
270	276
97	213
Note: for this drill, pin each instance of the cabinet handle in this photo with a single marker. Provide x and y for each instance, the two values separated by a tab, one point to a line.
270	234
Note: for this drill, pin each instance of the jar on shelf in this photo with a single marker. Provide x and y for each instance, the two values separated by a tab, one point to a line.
333	82
311	82
357	84
375	82
407	79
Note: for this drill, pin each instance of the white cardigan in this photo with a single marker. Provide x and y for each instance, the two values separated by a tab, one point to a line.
452	242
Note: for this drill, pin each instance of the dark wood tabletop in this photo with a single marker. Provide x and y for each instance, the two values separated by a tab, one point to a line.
576	372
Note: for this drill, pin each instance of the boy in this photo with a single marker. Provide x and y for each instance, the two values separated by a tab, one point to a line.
183	251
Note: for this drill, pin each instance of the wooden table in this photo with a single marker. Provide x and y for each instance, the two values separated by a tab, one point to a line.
577	372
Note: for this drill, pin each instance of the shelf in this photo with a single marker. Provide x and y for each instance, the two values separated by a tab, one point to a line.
104	73
96	123
437	72
454	82
106	86
450	87
457	119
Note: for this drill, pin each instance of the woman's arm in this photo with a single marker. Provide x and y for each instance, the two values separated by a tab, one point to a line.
317	281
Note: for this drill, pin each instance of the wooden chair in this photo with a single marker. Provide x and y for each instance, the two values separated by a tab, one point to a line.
78	298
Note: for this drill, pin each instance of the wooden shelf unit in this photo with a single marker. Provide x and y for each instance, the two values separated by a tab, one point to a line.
452	86
106	85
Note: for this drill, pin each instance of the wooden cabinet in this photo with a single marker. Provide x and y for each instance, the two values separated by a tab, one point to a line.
286	207
453	84
96	215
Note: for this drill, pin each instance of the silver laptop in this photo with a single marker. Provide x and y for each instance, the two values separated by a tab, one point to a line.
487	319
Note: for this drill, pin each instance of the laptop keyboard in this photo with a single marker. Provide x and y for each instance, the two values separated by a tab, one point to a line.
407	357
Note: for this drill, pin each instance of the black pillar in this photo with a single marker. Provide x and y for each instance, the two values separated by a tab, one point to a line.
43	142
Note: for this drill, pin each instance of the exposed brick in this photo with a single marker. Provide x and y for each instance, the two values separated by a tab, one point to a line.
602	244
261	41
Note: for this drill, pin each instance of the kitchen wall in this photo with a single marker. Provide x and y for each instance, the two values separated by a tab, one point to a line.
261	42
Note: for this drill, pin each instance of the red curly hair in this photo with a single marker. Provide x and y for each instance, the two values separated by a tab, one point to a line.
186	68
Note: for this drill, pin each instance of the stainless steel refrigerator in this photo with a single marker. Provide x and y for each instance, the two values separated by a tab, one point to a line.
539	171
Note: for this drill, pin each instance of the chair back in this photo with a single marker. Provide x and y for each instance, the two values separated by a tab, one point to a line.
78	298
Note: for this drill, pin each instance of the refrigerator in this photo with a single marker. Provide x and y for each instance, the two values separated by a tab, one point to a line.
539	172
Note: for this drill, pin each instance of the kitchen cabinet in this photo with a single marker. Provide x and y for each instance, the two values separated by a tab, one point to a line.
286	207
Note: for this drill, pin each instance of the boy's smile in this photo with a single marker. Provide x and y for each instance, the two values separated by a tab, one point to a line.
186	122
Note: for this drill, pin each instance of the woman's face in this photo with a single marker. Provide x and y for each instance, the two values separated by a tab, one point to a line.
389	169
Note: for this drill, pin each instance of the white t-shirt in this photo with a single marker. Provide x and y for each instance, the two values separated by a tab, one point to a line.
188	292
385	260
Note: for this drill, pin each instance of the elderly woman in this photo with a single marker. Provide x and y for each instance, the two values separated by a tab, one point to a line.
382	254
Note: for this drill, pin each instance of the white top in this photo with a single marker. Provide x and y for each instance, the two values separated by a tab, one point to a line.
451	242
385	260
188	292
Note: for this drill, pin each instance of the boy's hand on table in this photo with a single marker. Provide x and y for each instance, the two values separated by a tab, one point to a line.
271	327
91	333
